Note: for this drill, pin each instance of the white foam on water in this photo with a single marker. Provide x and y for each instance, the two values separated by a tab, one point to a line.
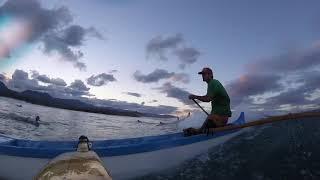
195	120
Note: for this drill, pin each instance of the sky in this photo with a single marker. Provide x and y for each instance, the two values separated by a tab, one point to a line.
144	55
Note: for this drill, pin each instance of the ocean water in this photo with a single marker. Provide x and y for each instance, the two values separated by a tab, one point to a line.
57	124
287	150
282	150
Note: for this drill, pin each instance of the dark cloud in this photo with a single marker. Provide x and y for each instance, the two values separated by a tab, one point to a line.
252	84
187	56
154	76
100	79
46	79
20	81
79	85
289	62
175	92
311	81
160	47
300	95
133	94
94	33
291	81
52	28
63	41
71	92
58	82
73	35
52	44
291	97
160	74
41	78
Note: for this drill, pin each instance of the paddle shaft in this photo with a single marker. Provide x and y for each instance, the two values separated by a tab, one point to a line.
200	107
268	120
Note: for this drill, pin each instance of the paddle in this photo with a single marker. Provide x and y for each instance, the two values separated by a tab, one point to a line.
200	107
192	131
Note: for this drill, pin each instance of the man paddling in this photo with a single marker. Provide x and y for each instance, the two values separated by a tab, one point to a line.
220	103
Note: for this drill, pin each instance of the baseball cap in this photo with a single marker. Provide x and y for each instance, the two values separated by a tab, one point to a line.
205	70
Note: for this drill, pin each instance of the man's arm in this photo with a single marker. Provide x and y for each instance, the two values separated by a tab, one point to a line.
201	98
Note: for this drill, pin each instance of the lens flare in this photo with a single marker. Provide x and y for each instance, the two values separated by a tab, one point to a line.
14	33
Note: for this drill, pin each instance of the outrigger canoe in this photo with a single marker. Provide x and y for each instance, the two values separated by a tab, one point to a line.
123	158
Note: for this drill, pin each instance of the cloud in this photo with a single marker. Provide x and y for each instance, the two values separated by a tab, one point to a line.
46	79
175	92
252	84
67	39
100	79
160	74
289	62
94	33
20	81
133	94
79	85
299	95
153	101
187	56
50	27
159	48
58	82
54	44
311	81
289	81
154	76
290	97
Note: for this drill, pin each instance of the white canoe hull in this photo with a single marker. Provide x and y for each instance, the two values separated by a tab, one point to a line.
135	165
120	167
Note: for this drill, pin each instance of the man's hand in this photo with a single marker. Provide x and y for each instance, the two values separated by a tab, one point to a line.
191	96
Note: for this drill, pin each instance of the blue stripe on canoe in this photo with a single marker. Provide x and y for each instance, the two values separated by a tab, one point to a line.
118	147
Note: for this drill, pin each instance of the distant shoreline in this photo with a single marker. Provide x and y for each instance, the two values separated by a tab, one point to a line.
44	99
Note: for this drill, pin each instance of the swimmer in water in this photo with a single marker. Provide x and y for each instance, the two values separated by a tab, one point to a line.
37	121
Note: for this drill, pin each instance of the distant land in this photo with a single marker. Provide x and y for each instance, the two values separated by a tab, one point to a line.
45	99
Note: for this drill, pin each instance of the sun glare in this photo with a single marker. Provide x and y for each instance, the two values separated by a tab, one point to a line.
13	34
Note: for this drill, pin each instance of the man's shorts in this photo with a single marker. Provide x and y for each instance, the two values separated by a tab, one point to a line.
217	121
